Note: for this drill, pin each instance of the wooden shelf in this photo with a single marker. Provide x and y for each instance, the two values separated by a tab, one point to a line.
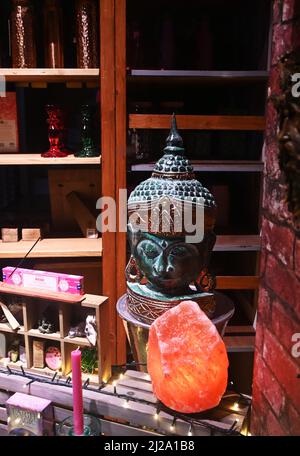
23	159
53	248
5	327
238	243
239	344
237	282
80	341
202	74
192	122
36	333
49	74
239	339
213	166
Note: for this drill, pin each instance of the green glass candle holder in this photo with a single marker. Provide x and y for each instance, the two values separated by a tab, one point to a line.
91	427
87	147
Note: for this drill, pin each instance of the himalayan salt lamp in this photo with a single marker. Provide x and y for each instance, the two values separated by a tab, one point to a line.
187	359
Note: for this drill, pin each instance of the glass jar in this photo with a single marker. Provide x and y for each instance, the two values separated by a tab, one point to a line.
53	34
87	34
22	35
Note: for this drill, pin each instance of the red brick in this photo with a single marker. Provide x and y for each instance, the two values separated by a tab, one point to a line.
284	325
259	336
274	201
297	257
274	82
277	11
290	9
283	282
263	260
264	307
270	157
280	241
269	386
292	419
259	410
271	123
283	366
282	41
273	426
256	424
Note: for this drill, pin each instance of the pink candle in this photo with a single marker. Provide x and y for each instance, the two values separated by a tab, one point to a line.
77	392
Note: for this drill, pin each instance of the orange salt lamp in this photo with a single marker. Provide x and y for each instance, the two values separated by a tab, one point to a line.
187	359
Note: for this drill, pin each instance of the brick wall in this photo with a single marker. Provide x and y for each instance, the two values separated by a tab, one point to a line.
276	388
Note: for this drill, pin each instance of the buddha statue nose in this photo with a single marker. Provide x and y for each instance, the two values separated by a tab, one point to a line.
160	265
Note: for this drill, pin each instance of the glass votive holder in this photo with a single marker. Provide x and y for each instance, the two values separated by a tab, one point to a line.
91	427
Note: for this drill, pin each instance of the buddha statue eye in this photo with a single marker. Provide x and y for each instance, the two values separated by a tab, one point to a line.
148	248
179	251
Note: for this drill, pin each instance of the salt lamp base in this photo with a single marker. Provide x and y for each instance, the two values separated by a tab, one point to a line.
147	309
138	332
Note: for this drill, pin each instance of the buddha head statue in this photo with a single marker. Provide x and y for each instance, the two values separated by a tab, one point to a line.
167	264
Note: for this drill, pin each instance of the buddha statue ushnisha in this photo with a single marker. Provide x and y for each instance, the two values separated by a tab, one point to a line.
169	259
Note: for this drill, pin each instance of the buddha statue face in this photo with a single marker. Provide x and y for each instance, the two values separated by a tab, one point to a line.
170	265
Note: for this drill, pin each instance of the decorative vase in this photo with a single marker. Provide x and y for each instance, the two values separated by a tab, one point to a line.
91	427
88	147
53	34
55	132
87	34
22	35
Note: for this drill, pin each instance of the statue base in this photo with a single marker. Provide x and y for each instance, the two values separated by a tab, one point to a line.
138	332
146	308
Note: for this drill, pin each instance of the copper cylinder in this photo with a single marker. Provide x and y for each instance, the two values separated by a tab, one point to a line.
87	34
22	35
53	34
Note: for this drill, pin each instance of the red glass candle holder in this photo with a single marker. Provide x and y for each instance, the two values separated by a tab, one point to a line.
55	133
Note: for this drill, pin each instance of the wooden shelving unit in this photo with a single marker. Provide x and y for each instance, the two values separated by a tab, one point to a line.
31	301
83	252
144	83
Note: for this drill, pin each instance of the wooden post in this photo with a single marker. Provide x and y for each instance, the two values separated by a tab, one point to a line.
120	28
108	151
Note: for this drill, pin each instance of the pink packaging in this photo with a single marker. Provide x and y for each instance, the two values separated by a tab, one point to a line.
48	281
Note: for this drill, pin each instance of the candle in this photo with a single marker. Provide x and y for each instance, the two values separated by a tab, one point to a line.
77	392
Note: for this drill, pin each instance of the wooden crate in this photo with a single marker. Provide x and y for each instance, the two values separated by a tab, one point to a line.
123	415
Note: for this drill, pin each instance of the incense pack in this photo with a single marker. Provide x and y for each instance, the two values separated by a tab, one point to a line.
48	281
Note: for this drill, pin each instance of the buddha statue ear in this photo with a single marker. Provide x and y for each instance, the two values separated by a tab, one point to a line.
134	237
132	271
205	282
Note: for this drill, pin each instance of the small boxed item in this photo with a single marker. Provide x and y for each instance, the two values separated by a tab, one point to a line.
29	415
39	354
9	234
47	281
31	234
9	137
